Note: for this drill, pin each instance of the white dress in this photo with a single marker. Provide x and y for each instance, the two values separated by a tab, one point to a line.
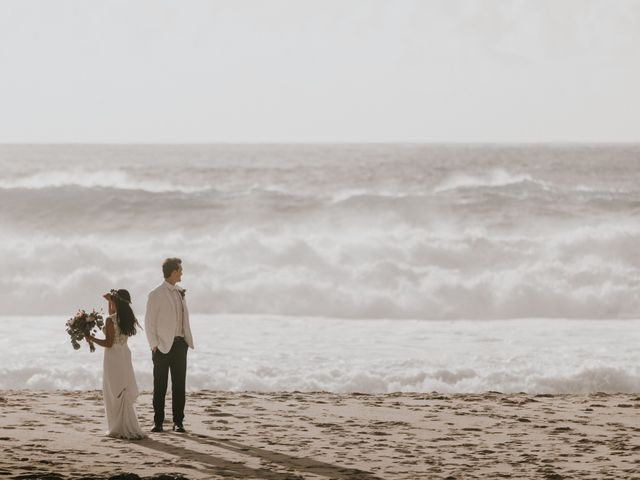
119	388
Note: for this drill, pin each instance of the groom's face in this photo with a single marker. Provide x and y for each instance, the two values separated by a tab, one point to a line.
176	276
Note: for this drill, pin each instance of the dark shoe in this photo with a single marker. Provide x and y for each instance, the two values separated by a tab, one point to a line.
177	427
157	428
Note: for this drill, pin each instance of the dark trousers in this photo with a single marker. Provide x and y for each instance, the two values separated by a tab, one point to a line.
176	362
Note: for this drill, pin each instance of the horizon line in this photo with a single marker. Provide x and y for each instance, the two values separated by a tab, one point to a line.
331	143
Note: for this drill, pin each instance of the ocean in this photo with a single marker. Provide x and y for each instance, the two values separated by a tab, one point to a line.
372	268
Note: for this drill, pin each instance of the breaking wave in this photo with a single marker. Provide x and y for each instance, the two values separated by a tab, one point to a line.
496	178
357	232
589	272
115	179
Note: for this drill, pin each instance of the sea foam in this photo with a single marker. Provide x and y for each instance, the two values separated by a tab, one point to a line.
268	353
351	231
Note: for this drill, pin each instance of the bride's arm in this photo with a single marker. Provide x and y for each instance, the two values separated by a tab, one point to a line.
112	305
109	333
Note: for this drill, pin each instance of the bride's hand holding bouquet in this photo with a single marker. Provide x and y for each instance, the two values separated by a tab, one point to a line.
81	325
108	330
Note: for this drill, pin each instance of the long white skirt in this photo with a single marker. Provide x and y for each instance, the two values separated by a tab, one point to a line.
120	392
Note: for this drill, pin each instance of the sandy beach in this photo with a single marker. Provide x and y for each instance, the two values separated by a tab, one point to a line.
321	435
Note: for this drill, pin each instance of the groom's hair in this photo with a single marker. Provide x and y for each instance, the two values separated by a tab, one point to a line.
170	265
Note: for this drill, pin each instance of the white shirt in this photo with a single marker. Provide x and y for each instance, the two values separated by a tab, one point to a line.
176	298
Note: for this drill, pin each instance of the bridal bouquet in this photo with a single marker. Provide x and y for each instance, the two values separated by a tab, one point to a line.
82	324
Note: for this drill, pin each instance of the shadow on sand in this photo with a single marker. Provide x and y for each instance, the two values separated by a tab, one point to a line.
227	468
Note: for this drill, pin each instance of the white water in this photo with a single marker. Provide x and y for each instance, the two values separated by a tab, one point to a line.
428	232
275	237
238	353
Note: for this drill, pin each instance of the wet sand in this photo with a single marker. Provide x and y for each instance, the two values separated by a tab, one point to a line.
278	436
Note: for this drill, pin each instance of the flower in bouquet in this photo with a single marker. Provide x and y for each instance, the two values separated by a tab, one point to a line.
83	324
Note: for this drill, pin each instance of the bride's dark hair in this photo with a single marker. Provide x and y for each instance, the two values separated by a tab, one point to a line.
126	319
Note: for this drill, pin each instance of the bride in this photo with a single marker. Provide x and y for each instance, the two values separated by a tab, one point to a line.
119	386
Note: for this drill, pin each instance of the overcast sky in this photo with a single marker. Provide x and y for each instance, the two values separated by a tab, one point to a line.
318	71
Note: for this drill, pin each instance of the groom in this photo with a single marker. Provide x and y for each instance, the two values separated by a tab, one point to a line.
169	334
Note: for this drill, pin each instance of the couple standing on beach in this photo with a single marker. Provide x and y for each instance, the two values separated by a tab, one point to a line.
169	335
